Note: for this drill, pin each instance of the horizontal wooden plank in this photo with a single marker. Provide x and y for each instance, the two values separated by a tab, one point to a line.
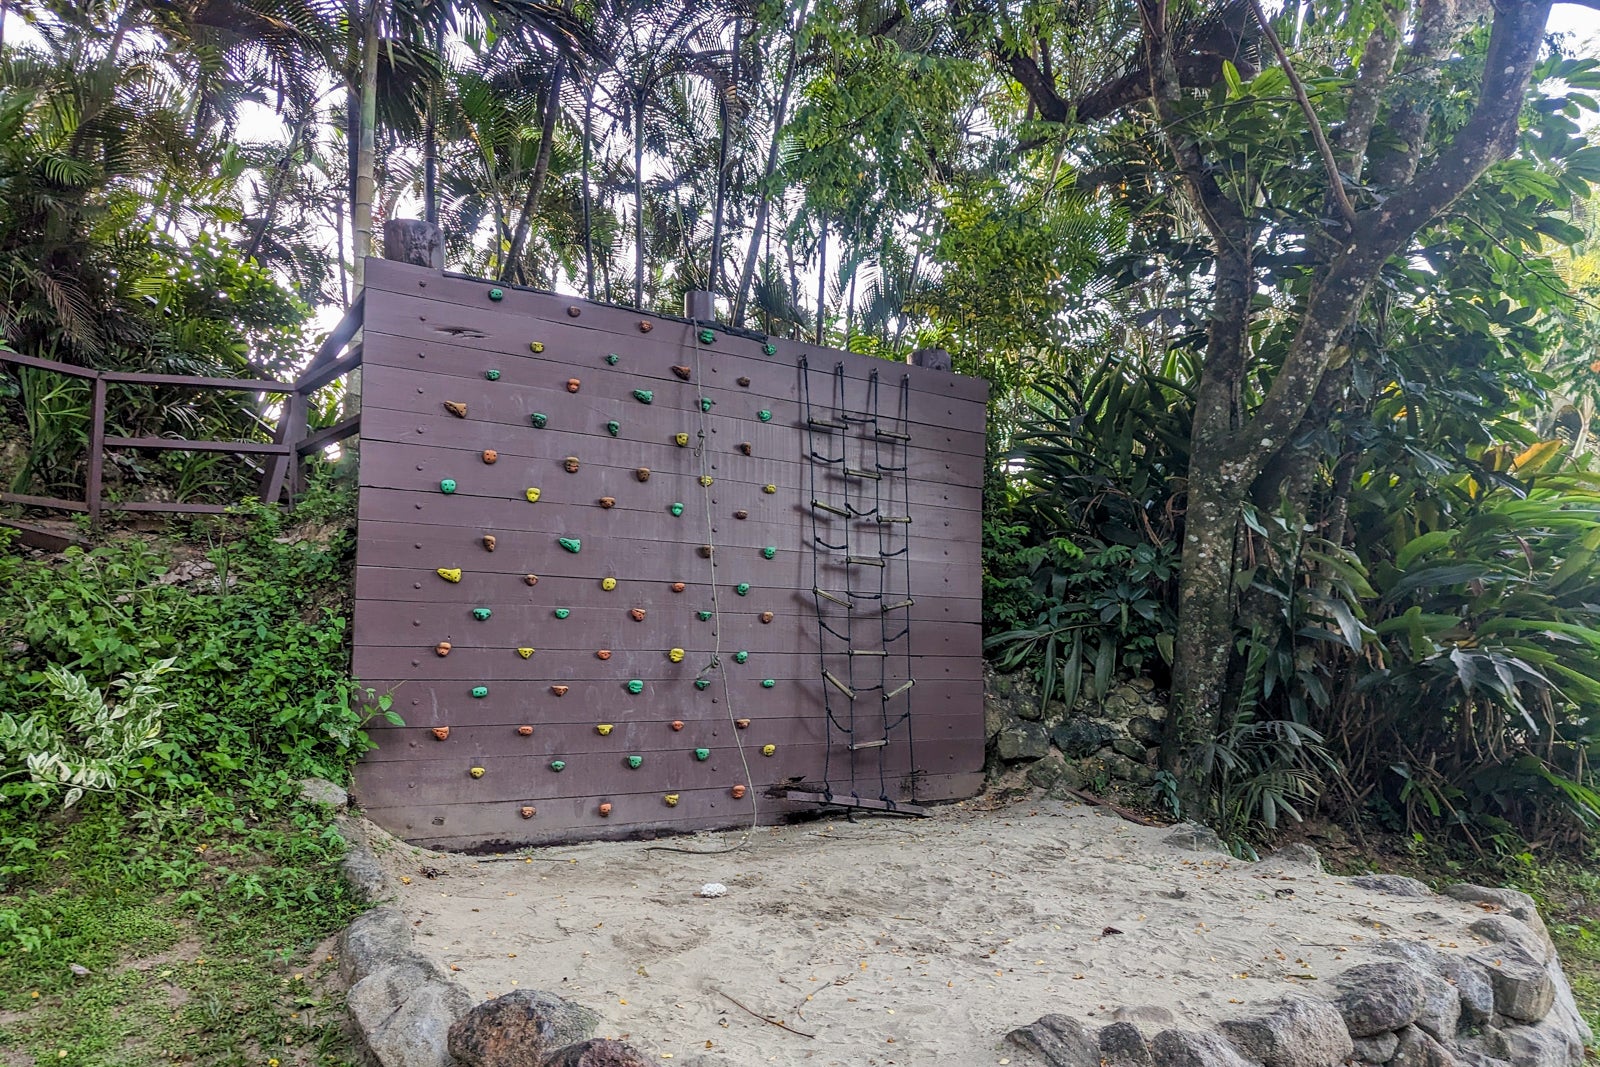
314	379
523	307
57	503
174	444
329	434
169	507
237	385
17	358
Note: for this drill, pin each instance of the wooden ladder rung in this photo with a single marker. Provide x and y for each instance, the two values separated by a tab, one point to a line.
824	424
894	518
854	472
863	561
830	509
828	676
825	595
900	689
867	652
892	435
897	605
859	745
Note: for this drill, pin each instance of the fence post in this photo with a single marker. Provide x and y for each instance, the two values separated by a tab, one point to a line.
97	453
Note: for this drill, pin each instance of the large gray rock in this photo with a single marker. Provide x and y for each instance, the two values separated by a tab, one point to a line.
1145	729
1079	738
995	716
1541	1045
375	940
1150	1015
1298	854
322	792
1395	885
1194	837
1468	978
1299	1032
1523	989
1122	1045
1047	772
598	1053
417	1034
1441	1007
1504	930
1191	1048
373	1000
1417	1049
1022	740
1516	903
1058	1040
1379	1048
518	1028
1374	997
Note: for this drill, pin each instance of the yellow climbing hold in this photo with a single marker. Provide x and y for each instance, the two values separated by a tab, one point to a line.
767	750
608	584
533	496
476	772
769	489
681	440
705	479
603	729
671	799
449	574
524	652
675	655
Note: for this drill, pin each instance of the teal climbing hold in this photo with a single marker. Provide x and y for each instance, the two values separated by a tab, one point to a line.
701	683
481	614
611	358
702	754
539	418
613	428
635	762
767	683
480	691
676	509
769	551
740	656
497	294
705	403
708	337
764	415
562	613
643	396
571	544
635	686
492	375
448	485
769	349
703	616
558	765
742	588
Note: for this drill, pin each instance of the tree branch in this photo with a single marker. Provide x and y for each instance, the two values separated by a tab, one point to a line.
1372	78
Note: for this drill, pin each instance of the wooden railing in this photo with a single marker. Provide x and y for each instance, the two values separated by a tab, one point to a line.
292	438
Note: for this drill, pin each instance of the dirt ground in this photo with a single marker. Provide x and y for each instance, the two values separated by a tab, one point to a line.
900	942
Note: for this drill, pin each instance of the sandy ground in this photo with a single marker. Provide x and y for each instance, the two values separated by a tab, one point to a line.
900	942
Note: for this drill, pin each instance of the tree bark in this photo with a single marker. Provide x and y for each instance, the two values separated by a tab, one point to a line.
588	193
638	199
541	170
365	188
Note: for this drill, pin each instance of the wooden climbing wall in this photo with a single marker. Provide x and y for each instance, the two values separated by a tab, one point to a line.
669	672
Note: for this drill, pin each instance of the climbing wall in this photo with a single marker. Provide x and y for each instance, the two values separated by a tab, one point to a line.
626	574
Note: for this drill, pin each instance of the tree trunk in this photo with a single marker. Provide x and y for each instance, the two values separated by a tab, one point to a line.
638	200
588	193
541	170
430	130
366	153
822	279
764	200
714	276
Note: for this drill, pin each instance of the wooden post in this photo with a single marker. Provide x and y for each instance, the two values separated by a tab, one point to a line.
932	358
411	241
97	452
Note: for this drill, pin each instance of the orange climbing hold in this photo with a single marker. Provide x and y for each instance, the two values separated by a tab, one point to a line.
604	653
637	614
645	326
605	809
643	474
608	502
736	792
678	587
456	408
531	579
573	385
528	811
490	455
682	372
440	733
442	648
677	724
525	731
571	464
766	616
743	724
560	690
489	542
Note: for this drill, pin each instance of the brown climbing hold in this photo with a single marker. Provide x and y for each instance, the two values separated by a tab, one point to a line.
736	792
705	551
440	733
573	311
489	542
525	731
682	372
571	464
560	690
531	579
645	326
677	724
766	616
745	382
605	809
744	446
643	474
573	384
490	455
678	587
743	724
456	408
608	501
442	648
604	653
528	811
638	614
741	514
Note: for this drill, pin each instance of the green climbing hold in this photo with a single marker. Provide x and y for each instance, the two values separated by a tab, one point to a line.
480	691
611	358
481	614
764	415
769	551
448	485
497	294
676	509
742	588
635	762
769	349
708	337
705	403
740	656
701	683
492	375
643	396
702	754
562	613
538	419
571	544
558	765
613	428
767	683
635	686
703	616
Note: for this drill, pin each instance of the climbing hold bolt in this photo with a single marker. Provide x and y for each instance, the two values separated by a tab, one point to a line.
702	683
447	485
769	552
558	765
497	294
560	690
489	542
705	551
539	418
536	346
562	613
602	653
705	403
571	544
604	729
671	799
531	579
492	375
442	649
682	372
525	652
480	691
678	587
769	489
481	614
741	514
744	446
611	358
635	686
766	616
675	655
476	772
635	762
449	574
608	502
527	811
769	349
705	480
768	683
490	455
613	428
707	337
745	382
573	385
605	809
608	583
636	614
440	733
764	415
742	588
676	509
643	474
703	616
644	396
702	754
456	408
767	750
533	495
571	464
743	724
525	731
645	326
677	724
736	792
681	440
740	656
